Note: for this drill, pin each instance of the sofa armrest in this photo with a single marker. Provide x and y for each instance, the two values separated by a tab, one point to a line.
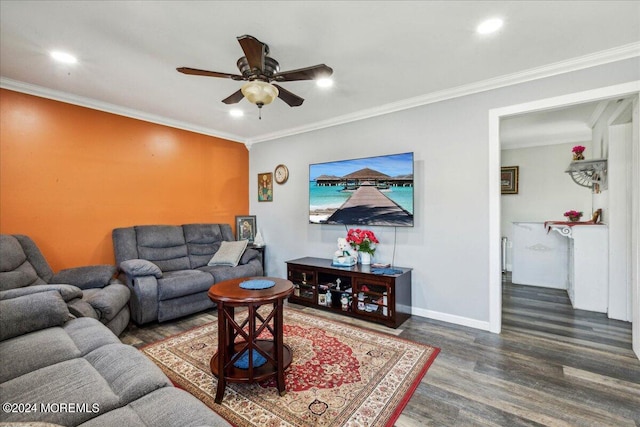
108	301
32	312
140	267
92	276
67	292
144	298
248	255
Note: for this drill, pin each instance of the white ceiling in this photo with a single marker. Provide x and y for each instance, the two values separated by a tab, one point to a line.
386	55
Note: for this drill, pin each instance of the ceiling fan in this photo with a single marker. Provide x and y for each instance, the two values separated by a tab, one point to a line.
259	70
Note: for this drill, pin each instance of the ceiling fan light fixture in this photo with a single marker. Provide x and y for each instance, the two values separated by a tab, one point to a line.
489	26
63	57
324	82
259	92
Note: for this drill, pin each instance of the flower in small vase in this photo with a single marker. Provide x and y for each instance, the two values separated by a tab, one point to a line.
573	215
577	152
362	240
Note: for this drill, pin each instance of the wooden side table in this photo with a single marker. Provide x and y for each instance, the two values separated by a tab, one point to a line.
228	295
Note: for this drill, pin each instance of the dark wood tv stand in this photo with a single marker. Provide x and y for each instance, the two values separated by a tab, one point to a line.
351	291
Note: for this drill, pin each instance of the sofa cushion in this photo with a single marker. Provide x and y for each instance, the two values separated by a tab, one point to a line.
80	308
26	353
19	278
164	245
29	352
224	272
176	284
74	381
127	371
229	253
203	240
67	292
15	269
12	255
91	276
30	313
89	334
140	267
108	301
165	407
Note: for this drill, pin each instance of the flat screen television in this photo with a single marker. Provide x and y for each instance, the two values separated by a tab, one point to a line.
370	191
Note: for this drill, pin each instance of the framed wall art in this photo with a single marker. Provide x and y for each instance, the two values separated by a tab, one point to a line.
246	228
509	179
265	187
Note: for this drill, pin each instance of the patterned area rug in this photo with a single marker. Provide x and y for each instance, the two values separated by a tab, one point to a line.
341	375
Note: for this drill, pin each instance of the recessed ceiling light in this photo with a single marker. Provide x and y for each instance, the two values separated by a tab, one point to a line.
236	113
325	82
67	58
490	26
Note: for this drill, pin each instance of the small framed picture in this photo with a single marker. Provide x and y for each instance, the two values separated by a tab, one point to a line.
509	179
322	299
246	228
265	187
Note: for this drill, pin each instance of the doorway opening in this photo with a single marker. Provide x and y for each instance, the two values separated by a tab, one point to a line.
624	90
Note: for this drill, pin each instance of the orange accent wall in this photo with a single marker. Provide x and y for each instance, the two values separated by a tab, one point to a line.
69	175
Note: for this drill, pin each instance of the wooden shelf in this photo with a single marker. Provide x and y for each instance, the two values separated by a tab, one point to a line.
354	291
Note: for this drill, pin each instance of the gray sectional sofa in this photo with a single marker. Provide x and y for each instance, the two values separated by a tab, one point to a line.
170	268
75	372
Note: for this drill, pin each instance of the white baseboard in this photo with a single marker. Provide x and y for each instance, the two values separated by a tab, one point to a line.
450	318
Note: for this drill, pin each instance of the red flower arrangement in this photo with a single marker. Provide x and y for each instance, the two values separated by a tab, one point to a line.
573	215
578	149
362	240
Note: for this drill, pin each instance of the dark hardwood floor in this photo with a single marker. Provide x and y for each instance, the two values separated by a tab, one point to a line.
551	365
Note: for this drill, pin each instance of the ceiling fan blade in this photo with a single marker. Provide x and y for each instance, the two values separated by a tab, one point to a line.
196	72
290	98
308	73
254	50
234	98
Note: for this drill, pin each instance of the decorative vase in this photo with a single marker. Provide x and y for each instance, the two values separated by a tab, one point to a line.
365	258
578	156
574	218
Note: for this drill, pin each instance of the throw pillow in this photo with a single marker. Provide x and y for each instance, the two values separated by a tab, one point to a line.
140	267
229	253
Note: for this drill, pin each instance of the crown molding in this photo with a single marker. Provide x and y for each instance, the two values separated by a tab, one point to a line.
599	58
81	101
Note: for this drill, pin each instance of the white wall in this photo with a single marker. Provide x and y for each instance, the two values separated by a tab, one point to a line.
448	247
545	190
619	219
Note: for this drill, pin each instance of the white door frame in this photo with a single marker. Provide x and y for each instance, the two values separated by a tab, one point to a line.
495	271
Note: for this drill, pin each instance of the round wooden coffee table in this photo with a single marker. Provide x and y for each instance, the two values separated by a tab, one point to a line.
236	340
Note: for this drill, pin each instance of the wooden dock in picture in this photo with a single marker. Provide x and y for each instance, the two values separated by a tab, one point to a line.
368	204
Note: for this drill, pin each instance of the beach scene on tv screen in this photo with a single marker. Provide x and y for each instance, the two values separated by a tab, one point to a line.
366	191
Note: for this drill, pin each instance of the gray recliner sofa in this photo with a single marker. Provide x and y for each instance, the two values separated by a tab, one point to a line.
91	291
167	269
75	372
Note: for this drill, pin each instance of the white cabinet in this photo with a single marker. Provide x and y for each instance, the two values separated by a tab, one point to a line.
588	265
539	257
